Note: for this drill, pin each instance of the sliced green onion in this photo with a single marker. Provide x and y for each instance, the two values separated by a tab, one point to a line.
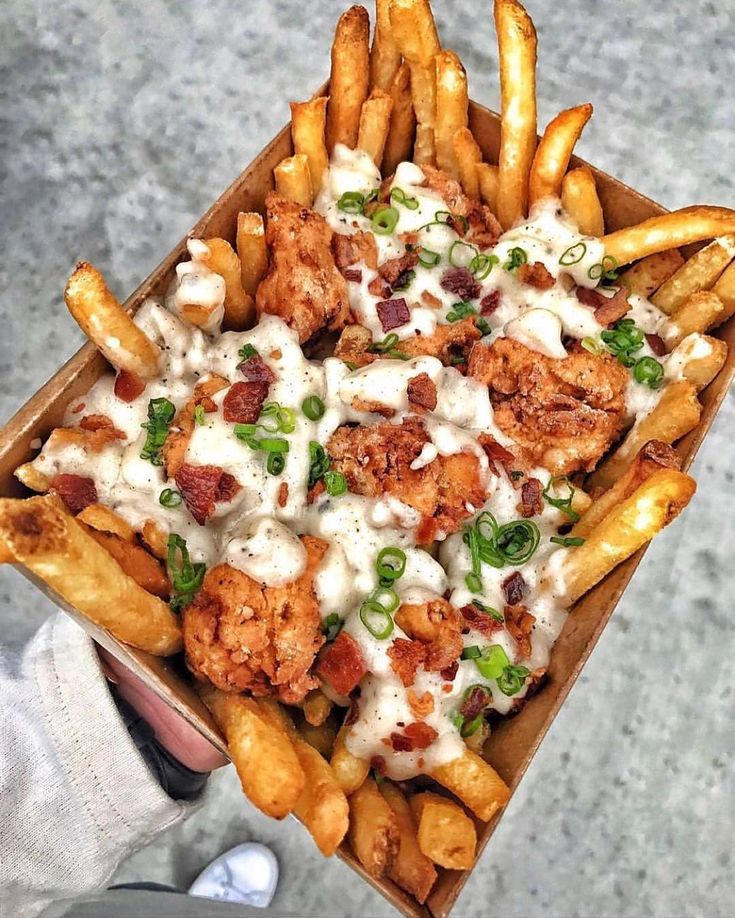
390	564
461	254
376	619
606	270
169	498
492	661
592	345
385	597
160	415
471	653
186	577
318	464
428	258
512	679
574	254
481	265
313	407
649	371
512	543
247	351
331	626
199	415
471	727
561	503
335	483
273	444
482	326
568	541
460	310
516	257
351	202
474	583
384	220
399	195
623	340
388	346
246	433
517	541
275	463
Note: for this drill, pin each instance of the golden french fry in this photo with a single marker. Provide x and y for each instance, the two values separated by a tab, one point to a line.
261	751
415	33
399	144
385	55
667	231
155	539
625	529
308	132
239	306
487	176
320	736
375	124
412	870
725	290
651	457
699	358
446	834
554	152
48	541
517	60
468	155
701	311
105	322
581	501
28	475
348	83
293	180
579	199
676	413
252	250
316	707
374	834
348	769
647	275
322	806
97	516
452	102
474	782
135	561
697	273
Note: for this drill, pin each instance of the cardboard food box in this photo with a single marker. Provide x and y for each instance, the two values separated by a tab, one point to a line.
515	740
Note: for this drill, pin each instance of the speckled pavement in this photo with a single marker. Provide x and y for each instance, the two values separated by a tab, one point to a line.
120	122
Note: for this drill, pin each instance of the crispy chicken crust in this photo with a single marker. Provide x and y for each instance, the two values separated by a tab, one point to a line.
377	461
242	635
562	414
303	285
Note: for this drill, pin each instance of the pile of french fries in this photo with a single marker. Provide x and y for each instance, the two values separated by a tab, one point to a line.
403	97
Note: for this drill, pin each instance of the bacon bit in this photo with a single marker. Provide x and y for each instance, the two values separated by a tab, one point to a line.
409	238
377	763
283	494
393	313
531	503
77	408
519	623
450	671
421	392
200	488
227	488
76	491
352	274
489	303
243	402
656	343
461	282
379	287
256	370
535	275
207	404
480	620
348	250
447	688
393	270
316	491
588	296
494	451
342	665
421	761
128	386
426	530
430	300
455	222
420	734
484	229
406	657
362	404
401	743
475	702
275	354
101	431
613	308
353	712
422	705
514	588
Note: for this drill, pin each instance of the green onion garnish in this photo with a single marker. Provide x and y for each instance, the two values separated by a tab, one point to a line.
247	351
481	265
331	626
169	498
482	326
592	345
428	258
399	195
606	270
462	254
460	310
649	371
407	279
574	254
471	727
516	257
186	577
390	565
493	613
567	541
335	483
385	597
474	583
279	418
492	661
623	340
512	679
199	415
247	434
388	346
275	463
160	415
384	220
319	462
313	407
351	202
561	503
470	653
376	619
512	543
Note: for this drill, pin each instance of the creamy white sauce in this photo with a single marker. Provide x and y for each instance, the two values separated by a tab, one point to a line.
269	552
198	286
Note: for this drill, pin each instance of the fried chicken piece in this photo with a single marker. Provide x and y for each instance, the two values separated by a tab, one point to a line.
438	626
563	414
377	460
303	285
483	229
179	434
242	635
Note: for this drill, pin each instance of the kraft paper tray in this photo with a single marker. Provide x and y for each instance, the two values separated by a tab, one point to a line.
514	741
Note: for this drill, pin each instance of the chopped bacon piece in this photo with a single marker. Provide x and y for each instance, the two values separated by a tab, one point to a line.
461	282
401	743
480	620
421	392
352	274
588	296
377	763
101	431
128	386
406	657
243	402
426	530
409	238
421	705
393	313
76	491
379	287
475	702
430	300
255	369
489	303
283	494
394	270
535	275
420	734
519	623
342	665
656	343
450	671
514	588
531	503
613	308
495	452
348	250
202	486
